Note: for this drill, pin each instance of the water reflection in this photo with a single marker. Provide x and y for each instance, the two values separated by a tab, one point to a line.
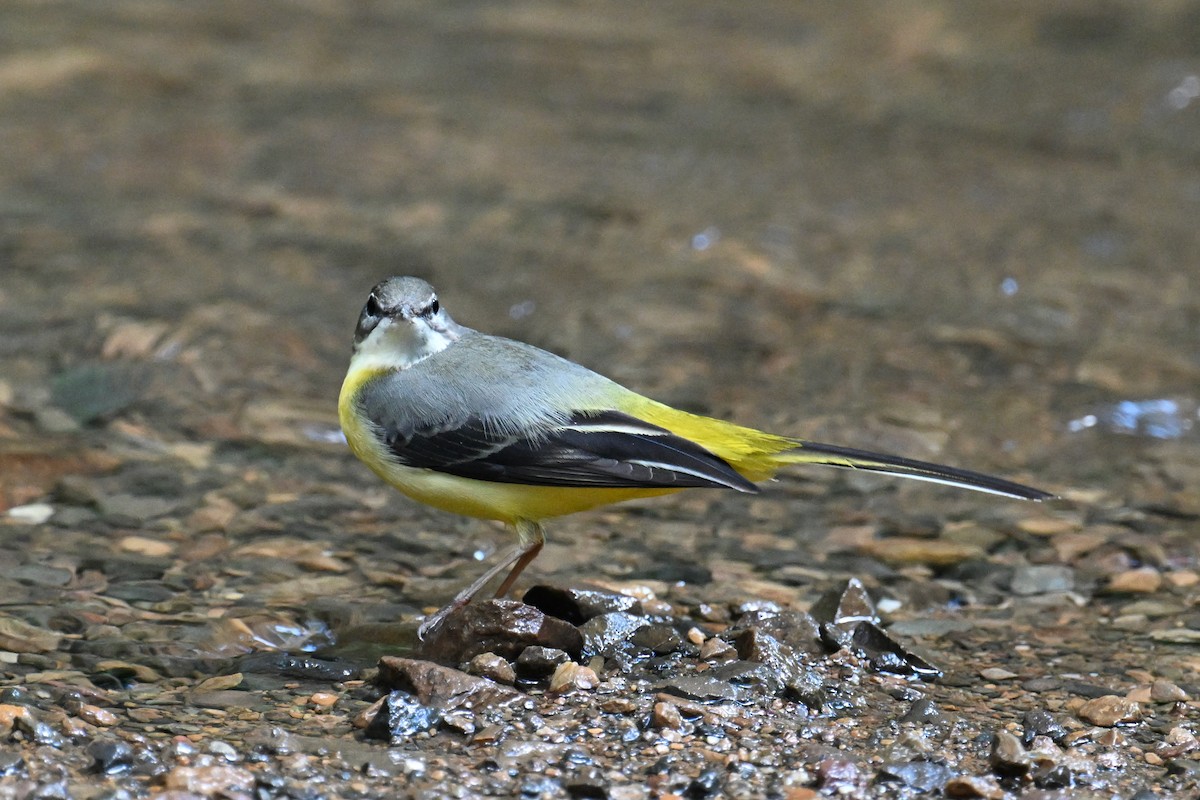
1158	418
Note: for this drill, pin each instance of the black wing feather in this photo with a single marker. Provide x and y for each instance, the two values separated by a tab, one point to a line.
595	450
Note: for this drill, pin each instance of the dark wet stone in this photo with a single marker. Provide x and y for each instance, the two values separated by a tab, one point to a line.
16	695
925	712
888	655
1054	776
139	591
658	639
576	605
1008	756
1189	768
1039	722
845	604
701	687
793	628
588	783
602	635
1044	684
331	670
400	716
787	671
41	732
94	391
706	784
539	662
838	775
11	763
1088	690
443	687
110	756
503	627
126	566
924	776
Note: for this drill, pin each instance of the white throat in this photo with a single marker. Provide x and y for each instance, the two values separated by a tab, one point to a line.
400	343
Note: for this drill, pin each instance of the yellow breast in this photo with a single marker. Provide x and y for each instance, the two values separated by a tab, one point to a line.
508	502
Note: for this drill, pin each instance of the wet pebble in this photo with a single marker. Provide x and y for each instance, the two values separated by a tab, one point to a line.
503	627
604	634
982	786
847	603
441	686
1163	691
219	780
924	776
699	687
1042	579
925	712
570	676
666	715
492	667
1008	755
1110	710
110	756
1039	722
577	605
401	715
1143	580
658	639
537	662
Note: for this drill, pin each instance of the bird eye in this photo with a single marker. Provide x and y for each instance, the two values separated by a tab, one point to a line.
434	307
373	307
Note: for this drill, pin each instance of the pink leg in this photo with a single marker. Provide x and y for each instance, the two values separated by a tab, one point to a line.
529	544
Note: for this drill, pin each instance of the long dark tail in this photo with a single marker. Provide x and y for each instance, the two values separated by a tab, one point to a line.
850	458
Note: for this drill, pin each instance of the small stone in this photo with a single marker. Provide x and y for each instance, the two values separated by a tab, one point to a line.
503	627
1110	710
666	715
221	780
19	636
1143	580
493	667
538	662
1008	756
323	699
401	715
658	639
847	603
1183	578
95	715
1042	579
143	545
716	649
996	674
110	757
570	676
1163	691
604	634
1047	526
984	786
31	514
578	605
219	683
443	687
901	550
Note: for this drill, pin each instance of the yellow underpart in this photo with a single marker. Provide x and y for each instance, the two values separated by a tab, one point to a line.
507	502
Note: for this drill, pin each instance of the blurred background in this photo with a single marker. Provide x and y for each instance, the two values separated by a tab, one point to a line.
962	230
